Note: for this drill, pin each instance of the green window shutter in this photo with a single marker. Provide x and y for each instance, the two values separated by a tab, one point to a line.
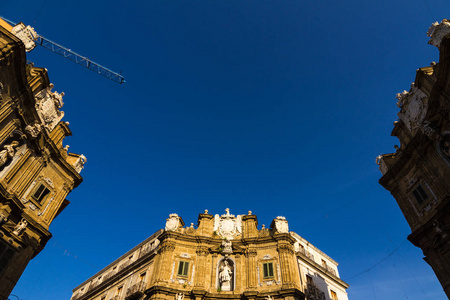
180	268
270	269
186	268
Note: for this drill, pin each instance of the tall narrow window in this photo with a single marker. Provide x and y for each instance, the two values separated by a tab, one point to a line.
420	194
333	295
183	268
40	193
309	280
268	270
324	263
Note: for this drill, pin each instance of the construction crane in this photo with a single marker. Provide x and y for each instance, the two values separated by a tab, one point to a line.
30	38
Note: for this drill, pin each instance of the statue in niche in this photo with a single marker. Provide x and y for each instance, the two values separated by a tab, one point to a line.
20	227
225	276
8	152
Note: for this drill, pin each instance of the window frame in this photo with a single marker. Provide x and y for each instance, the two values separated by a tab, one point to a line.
43	195
269	268
183	265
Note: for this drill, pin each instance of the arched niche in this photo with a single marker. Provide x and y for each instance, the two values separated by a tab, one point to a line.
226	266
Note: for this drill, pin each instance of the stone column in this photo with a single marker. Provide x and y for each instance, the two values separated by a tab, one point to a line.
200	274
252	283
205	224
163	268
250	226
286	254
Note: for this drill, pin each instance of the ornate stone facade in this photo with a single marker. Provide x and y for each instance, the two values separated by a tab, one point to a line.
223	257
418	173
36	173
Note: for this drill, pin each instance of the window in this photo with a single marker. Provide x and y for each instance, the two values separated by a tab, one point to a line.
183	268
142	277
420	195
6	253
309	280
324	264
40	193
268	270
119	290
333	295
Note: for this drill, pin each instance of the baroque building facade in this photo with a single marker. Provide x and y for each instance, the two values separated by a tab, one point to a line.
223	257
36	171
418	173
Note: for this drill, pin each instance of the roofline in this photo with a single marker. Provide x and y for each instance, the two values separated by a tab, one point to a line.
296	235
153	236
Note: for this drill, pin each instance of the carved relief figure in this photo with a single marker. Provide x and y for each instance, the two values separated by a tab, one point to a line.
33	130
225	276
179	296
227	246
8	152
20	227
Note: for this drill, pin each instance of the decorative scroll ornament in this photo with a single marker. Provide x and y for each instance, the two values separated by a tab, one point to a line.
48	104
281	224
26	34
437	31
33	130
20	227
172	222
79	163
413	107
228	226
3	218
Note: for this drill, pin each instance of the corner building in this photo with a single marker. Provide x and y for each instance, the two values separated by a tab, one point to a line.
224	257
418	173
36	171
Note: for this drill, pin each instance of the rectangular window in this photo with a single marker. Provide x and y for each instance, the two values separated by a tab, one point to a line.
40	193
324	263
268	270
119	290
183	268
333	295
142	277
309	280
420	195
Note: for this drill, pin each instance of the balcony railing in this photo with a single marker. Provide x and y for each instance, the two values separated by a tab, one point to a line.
314	293
311	257
135	291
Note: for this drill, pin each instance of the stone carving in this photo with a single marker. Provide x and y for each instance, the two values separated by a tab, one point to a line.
228	226
439	230
267	256
225	276
179	296
381	164
33	130
281	224
26	34
48	181
269	297
8	152
172	222
428	129
227	246
79	163
20	227
445	144
3	218
413	107
48	104
437	31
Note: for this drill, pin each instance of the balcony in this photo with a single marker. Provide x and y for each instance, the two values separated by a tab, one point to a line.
135	291
325	268
314	293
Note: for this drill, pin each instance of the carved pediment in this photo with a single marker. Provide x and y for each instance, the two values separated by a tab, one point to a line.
227	225
414	105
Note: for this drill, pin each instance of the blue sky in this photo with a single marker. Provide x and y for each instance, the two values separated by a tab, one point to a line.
279	107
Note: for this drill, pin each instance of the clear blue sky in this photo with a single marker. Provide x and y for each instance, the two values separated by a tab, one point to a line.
279	107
